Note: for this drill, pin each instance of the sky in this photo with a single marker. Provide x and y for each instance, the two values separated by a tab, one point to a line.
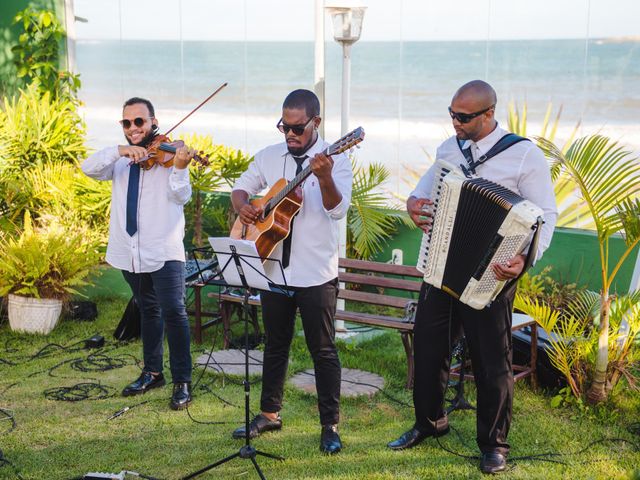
385	20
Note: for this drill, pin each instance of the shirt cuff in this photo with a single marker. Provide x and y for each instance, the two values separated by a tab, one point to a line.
181	175
337	211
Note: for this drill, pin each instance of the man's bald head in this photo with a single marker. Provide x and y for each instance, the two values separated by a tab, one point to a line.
479	92
472	110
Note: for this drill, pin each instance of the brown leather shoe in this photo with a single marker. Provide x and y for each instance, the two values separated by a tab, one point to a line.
413	437
258	425
493	462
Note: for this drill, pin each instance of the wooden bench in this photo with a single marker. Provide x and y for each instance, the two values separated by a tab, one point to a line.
378	284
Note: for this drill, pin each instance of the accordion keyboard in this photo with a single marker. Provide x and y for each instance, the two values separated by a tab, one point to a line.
476	223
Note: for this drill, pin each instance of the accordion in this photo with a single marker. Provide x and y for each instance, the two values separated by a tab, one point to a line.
476	223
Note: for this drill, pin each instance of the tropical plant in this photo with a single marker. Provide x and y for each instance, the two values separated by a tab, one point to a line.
46	260
608	178
38	134
36	129
225	165
37	55
372	218
59	188
574	337
572	211
544	288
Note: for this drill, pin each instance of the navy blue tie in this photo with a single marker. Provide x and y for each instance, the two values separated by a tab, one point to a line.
132	199
286	244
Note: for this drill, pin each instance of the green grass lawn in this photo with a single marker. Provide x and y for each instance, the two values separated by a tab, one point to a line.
61	440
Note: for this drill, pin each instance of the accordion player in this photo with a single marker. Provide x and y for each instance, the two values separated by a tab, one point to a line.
476	223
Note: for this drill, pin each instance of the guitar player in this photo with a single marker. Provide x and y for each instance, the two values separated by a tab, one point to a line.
309	257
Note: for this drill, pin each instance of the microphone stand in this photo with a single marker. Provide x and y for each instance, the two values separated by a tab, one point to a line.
459	402
247	451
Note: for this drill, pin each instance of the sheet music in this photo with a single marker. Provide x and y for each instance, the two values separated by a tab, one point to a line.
250	262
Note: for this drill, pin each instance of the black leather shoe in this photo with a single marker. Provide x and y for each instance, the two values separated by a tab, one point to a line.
413	437
493	462
258	425
146	381
181	397
330	442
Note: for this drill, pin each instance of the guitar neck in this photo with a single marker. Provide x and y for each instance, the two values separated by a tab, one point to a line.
349	140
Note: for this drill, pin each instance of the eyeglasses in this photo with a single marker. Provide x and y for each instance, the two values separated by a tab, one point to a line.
296	129
467	117
138	122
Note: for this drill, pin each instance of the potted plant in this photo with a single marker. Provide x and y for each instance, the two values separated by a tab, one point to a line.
40	267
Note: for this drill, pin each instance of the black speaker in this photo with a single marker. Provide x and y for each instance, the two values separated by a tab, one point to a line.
83	311
548	376
129	326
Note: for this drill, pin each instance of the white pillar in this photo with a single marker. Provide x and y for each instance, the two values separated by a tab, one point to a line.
318	71
70	28
344	128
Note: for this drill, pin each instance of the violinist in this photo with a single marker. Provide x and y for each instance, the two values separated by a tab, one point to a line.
146	231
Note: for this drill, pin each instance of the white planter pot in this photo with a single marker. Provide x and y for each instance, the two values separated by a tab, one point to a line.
33	315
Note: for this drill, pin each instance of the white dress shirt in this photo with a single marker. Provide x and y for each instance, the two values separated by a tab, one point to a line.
314	241
522	168
162	194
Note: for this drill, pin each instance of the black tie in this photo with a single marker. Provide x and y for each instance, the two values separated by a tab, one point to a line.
132	198
469	157
286	245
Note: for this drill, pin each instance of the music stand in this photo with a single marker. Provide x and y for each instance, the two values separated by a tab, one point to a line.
244	269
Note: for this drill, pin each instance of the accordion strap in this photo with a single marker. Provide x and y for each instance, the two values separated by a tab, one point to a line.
501	145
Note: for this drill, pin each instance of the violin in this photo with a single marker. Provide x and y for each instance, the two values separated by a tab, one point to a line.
162	151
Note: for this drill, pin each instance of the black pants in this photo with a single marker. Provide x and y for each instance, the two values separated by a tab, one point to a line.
440	321
317	308
160	296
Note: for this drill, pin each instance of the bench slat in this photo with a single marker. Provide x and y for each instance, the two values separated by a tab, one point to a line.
378	267
374	320
374	298
376	281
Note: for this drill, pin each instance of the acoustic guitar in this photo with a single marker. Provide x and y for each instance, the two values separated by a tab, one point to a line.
282	202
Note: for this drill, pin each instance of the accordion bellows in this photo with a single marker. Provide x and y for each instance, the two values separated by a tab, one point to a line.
476	223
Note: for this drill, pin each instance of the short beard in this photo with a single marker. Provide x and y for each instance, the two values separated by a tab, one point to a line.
299	151
145	141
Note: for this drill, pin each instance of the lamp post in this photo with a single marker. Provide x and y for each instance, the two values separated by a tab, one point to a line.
347	26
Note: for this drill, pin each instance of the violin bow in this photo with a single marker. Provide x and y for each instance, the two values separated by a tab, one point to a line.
195	109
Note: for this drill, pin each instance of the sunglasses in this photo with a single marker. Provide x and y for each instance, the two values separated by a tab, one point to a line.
138	122
467	117
296	129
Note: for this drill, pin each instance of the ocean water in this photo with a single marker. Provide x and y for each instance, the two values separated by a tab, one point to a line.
399	90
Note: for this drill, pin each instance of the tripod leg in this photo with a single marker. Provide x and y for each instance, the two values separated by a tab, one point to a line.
255	464
459	402
269	455
213	465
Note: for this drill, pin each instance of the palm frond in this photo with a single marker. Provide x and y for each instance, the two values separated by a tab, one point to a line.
585	305
372	217
604	172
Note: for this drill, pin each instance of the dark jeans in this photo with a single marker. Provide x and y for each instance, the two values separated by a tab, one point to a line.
317	308
440	321
160	297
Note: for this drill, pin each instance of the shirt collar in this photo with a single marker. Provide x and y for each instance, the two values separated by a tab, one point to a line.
485	144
